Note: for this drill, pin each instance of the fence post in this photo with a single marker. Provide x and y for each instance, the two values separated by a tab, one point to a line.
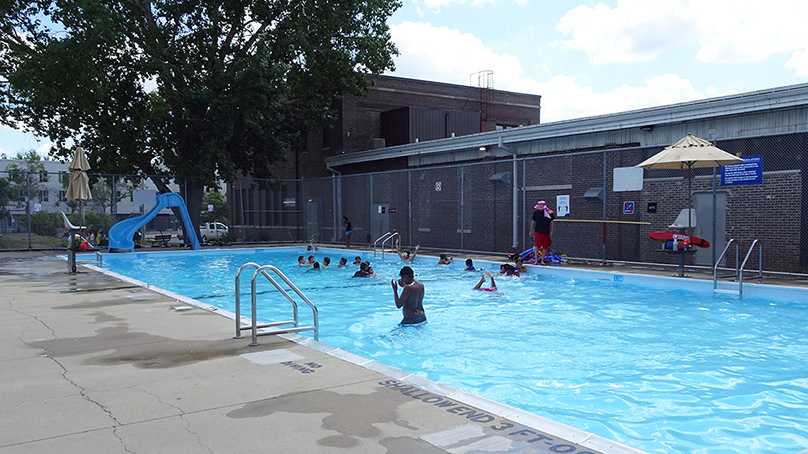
605	217
28	207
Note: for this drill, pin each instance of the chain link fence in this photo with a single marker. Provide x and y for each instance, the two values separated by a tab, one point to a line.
483	207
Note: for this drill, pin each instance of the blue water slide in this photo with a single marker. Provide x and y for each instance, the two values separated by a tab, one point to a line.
120	234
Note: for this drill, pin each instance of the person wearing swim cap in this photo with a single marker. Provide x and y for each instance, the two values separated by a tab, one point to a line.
411	299
406	256
541	229
479	286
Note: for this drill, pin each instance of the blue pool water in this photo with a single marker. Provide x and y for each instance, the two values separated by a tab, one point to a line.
661	370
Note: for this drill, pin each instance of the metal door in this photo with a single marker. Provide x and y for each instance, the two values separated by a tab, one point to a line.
703	204
379	220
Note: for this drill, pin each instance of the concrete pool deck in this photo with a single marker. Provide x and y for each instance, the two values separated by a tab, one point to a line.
92	364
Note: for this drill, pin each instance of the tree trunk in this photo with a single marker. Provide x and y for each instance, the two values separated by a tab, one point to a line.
191	191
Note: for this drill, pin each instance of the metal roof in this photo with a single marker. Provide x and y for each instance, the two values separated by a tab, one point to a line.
742	103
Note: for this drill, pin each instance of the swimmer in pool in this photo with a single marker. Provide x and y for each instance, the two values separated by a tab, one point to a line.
469	265
508	270
479	286
364	270
342	262
301	261
411	299
445	260
520	266
311	260
406	256
357	260
326	262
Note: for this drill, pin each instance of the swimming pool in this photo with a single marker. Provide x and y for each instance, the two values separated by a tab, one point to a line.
654	367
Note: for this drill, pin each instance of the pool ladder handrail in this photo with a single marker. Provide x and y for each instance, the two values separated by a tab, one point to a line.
739	269
743	265
254	325
384	238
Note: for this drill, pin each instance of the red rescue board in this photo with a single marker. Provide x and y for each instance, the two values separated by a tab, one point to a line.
664	236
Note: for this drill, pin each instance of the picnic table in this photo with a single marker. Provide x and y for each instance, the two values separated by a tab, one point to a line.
161	240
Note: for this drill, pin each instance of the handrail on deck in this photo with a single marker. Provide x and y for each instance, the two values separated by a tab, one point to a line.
384	238
739	269
254	326
743	265
717	262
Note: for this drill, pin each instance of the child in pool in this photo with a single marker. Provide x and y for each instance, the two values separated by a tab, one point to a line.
479	286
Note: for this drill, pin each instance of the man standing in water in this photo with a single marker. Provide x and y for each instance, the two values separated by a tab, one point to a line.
411	299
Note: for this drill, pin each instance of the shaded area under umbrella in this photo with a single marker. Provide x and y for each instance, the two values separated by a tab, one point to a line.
688	153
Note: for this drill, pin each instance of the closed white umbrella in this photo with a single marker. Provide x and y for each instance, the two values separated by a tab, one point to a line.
78	187
688	153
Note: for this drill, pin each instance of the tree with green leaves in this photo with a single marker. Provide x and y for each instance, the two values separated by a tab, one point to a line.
26	177
5	197
216	200
203	90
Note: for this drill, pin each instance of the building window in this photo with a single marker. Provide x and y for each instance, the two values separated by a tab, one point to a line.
63	195
43	177
43	195
63	177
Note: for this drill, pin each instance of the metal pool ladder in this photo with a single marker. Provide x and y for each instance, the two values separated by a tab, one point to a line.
384	238
739	269
255	326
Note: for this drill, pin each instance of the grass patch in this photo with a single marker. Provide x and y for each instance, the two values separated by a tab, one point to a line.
20	241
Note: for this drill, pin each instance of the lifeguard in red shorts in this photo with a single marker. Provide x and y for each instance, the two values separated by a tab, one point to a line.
541	229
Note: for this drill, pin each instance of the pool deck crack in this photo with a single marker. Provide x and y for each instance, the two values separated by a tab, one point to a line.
82	391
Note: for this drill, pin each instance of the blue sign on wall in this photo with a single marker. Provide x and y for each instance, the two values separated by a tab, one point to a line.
628	207
748	172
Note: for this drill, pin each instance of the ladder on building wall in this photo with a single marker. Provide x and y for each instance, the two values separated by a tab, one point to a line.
739	268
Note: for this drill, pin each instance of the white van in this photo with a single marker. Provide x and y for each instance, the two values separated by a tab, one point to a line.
209	231
212	231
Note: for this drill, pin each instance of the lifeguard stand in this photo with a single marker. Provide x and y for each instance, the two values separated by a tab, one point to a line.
686	216
682	220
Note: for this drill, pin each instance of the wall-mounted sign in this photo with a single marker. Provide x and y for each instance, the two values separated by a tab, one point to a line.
652	207
437	186
628	207
562	205
750	171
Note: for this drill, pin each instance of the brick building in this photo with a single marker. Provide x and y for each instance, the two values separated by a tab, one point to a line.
580	159
399	111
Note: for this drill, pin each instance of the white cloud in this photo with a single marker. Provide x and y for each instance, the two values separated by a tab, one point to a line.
446	55
719	31
799	63
443	54
635	30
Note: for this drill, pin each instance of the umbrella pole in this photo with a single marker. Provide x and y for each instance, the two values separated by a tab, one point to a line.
690	199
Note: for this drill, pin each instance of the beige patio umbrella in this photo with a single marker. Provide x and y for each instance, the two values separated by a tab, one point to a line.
689	153
78	187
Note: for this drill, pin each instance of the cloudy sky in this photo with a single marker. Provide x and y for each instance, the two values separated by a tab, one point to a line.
590	58
595	57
